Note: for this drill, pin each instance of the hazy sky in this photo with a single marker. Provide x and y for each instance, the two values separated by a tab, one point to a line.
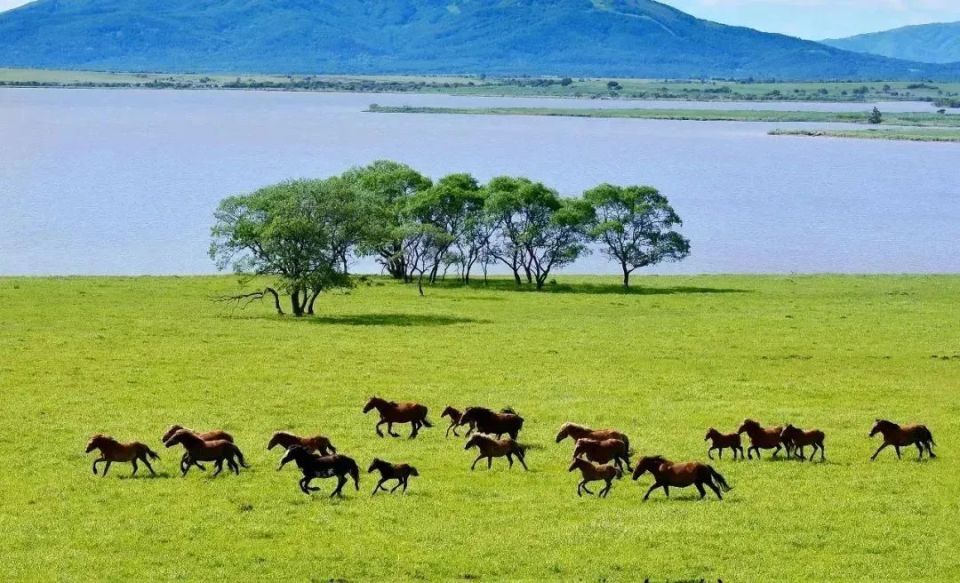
813	19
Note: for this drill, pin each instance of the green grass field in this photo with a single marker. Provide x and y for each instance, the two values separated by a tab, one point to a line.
131	356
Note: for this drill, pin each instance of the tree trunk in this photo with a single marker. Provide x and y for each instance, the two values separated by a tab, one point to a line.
516	277
295	303
626	276
420	284
313	299
276	299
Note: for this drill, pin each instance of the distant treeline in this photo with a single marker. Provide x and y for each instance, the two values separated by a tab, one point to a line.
304	233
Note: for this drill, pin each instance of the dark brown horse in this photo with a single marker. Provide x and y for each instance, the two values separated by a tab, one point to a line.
761	438
723	441
903	436
392	412
399	472
489	421
214	435
796	439
317	443
112	450
591	472
313	466
198	450
455	416
490	447
603	451
682	475
575	432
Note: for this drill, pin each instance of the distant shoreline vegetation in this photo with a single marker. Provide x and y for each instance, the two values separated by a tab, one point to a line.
900	134
945	95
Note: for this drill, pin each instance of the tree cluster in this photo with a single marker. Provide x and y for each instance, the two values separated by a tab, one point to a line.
304	233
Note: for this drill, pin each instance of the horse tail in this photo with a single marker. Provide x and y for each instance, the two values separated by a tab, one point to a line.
426	423
153	455
720	479
354	472
239	454
929	435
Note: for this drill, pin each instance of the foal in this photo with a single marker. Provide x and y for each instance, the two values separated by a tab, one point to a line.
313	466
592	472
198	450
455	416
489	421
603	451
796	439
214	435
761	438
902	436
575	432
666	474
112	450
399	472
316	443
723	441
491	447
392	412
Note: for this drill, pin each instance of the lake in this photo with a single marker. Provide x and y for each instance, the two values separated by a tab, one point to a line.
126	181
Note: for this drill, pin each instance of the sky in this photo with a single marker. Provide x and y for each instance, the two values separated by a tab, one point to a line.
811	19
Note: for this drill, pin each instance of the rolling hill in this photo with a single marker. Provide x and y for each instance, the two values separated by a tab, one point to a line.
927	43
636	38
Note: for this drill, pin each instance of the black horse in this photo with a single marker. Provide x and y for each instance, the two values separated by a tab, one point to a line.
328	466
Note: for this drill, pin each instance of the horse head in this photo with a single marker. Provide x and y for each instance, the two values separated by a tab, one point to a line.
374	464
711	433
95	442
294	453
882	426
170	431
450	412
373	402
748	425
648	464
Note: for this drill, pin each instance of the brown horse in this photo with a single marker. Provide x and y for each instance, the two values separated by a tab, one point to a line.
796	439
112	450
575	432
761	438
198	450
902	436
317	443
392	412
313	466
493	423
455	416
682	475
399	472
723	441
603	451
491	447
214	435
592	472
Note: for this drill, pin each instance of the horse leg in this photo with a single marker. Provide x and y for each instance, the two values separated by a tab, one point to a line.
652	488
585	488
775	452
879	449
133	462
106	468
606	491
232	464
390	429
929	450
897	447
304	485
520	456
580	488
219	465
341	480
379	484
510	460
490	463
920	451
379	423
447	434
149	467
415	430
710	453
714	487
95	462
800	454
823	456
479	457
399	483
699	485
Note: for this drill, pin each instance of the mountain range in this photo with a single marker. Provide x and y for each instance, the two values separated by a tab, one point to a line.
629	38
927	43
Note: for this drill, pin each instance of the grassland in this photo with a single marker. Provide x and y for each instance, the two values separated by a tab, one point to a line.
747	115
589	88
131	356
899	134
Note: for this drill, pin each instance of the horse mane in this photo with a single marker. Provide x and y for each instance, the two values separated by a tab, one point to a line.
509	410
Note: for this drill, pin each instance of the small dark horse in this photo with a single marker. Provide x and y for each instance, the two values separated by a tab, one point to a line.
399	472
455	416
392	412
489	421
723	441
213	435
603	451
761	438
317	443
313	466
903	436
796	439
198	450
112	450
576	431
491	447
592	472
682	475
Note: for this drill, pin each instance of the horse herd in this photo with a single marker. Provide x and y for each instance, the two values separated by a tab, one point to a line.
600	455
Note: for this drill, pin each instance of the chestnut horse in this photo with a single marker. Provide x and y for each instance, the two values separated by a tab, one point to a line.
392	412
198	450
592	472
215	435
313	466
399	472
455	416
761	438
902	436
316	443
493	423
681	475
575	432
112	450
723	441
603	451
796	439
491	447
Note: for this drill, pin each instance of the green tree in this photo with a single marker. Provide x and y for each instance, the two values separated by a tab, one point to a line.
300	233
875	116
635	225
